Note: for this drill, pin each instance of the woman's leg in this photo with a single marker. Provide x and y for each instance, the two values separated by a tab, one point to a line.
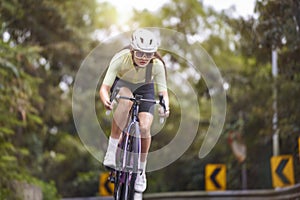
118	124
121	113
146	120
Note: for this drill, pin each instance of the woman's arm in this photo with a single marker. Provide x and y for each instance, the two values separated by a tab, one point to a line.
104	96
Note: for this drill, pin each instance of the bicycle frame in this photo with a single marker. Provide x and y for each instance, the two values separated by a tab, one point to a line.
129	150
130	143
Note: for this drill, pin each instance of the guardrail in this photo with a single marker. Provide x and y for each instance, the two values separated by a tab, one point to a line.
89	198
287	193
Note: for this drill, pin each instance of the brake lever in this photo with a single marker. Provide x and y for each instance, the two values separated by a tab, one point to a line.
112	98
114	94
162	104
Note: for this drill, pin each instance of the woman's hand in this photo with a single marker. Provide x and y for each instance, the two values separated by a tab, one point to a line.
164	113
161	111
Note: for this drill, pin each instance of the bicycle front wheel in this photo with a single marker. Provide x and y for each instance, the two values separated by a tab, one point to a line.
133	158
124	187
128	162
135	147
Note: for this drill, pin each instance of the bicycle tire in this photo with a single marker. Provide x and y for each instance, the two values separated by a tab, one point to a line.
131	183
124	186
118	187
119	180
129	152
134	134
134	147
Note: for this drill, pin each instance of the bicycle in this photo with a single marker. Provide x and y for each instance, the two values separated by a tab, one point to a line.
129	150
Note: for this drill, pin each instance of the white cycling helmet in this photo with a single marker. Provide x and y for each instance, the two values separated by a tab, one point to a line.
144	40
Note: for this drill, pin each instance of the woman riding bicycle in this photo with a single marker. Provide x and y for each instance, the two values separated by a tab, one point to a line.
135	70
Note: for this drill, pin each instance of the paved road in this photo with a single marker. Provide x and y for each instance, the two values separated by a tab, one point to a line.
89	198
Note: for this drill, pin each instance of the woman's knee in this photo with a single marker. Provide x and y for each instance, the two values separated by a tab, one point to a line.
145	124
145	130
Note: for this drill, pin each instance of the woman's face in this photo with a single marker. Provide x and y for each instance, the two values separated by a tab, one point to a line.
142	59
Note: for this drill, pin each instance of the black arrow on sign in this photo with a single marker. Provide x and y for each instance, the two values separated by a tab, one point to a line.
213	177
106	185
279	171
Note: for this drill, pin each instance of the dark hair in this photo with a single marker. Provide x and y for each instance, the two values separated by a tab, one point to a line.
158	56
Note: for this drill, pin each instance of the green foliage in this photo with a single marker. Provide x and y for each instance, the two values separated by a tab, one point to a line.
277	27
17	106
241	49
48	189
41	45
254	96
70	165
41	48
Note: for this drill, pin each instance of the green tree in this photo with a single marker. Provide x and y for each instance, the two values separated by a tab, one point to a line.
241	49
276	26
19	100
42	46
217	37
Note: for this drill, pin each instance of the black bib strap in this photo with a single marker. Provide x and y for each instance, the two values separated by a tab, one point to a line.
148	75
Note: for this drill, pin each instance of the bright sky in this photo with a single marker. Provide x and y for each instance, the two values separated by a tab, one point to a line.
243	7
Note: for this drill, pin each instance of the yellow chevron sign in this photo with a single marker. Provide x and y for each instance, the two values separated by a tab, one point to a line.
106	188
215	177
282	171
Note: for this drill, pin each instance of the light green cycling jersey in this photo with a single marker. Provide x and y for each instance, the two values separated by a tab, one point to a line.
122	66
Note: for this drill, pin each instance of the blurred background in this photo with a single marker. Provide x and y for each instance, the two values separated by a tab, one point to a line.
256	46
